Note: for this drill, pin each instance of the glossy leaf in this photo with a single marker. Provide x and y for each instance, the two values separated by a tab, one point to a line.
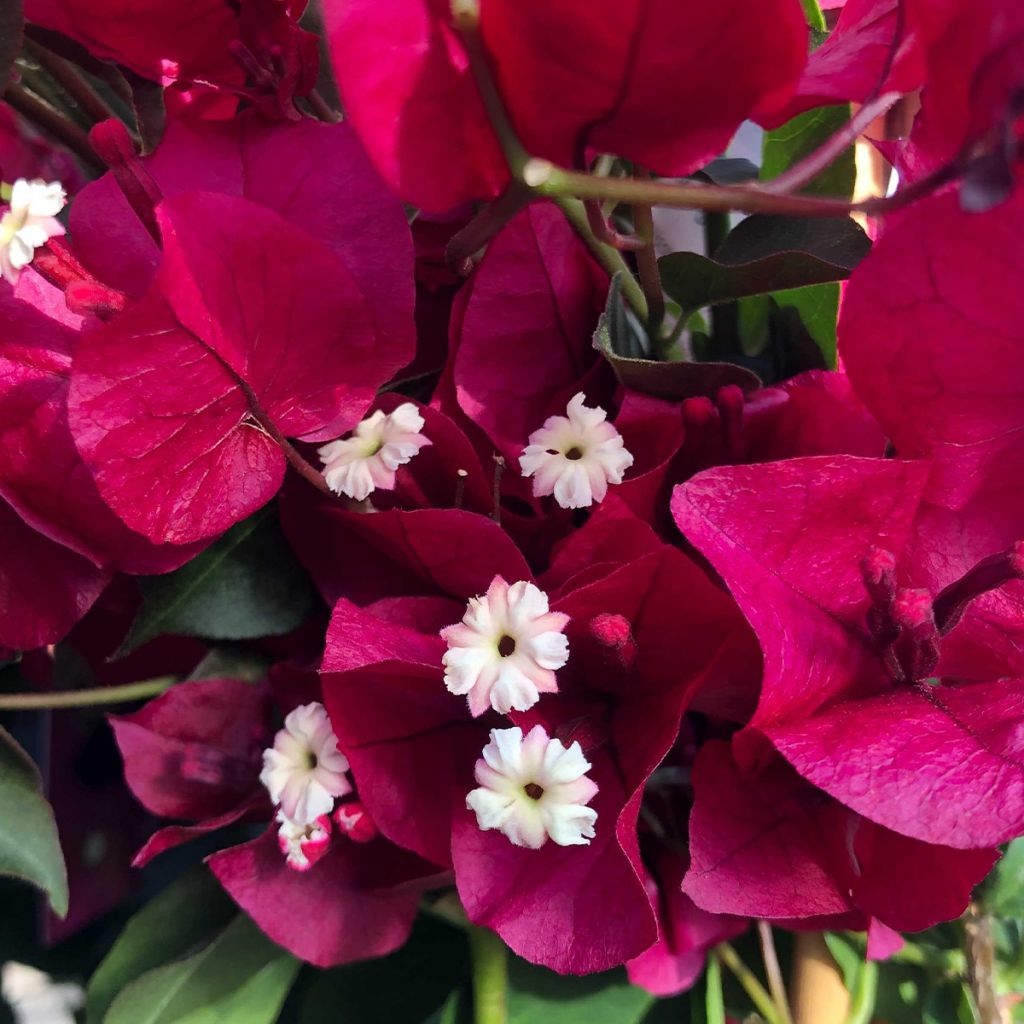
764	254
241	977
168	927
29	848
246	585
620	338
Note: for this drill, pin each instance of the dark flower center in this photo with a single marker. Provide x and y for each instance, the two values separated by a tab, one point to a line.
506	646
533	791
574	453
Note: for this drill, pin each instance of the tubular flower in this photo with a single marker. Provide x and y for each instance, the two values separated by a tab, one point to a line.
367	460
504	652
576	456
534	789
30	220
303	844
304	771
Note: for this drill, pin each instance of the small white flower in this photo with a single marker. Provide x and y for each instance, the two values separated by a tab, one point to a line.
304	770
368	459
575	457
504	651
534	789
303	844
28	223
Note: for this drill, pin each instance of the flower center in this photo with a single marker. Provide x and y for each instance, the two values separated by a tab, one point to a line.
574	454
507	646
533	791
311	760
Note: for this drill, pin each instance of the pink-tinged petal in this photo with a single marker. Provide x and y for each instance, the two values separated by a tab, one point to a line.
883	942
910	885
941	764
524	343
45	588
157	39
761	845
42	474
357	902
407	88
634	80
170	836
194	751
929	333
428	551
575	909
172	473
873	49
411	746
685	934
314	175
243	301
358	637
789	539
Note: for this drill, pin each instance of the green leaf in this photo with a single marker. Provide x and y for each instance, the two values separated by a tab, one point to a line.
764	254
847	956
12	29
537	994
29	847
796	139
620	339
1004	890
948	1003
241	977
246	585
792	259
436	956
168	928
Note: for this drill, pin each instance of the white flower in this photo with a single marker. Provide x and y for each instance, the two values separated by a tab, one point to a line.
575	457
28	223
303	844
304	770
504	652
534	789
378	446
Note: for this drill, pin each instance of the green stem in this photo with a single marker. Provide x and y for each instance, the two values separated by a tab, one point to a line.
714	999
548	180
54	123
647	269
773	973
609	257
865	994
490	976
745	976
466	15
93	697
70	79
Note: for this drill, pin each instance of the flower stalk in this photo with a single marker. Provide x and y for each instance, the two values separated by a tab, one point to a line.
758	994
489	957
96	696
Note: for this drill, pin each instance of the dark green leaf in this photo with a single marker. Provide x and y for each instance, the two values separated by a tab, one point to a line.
948	1003
29	847
433	963
621	341
12	31
240	977
168	928
1004	890
248	584
537	994
765	254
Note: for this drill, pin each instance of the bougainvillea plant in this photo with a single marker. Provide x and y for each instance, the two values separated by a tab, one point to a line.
513	511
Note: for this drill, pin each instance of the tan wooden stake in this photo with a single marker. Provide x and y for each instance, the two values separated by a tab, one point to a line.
816	991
